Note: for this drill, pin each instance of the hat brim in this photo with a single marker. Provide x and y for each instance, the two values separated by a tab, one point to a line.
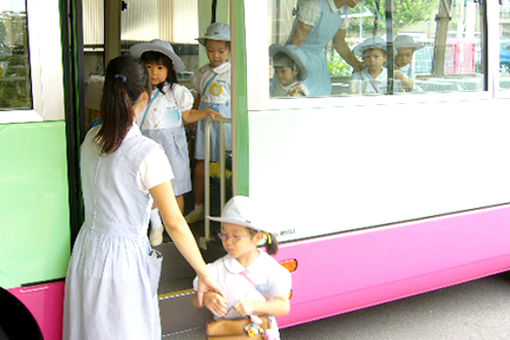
244	223
293	54
415	46
202	40
139	49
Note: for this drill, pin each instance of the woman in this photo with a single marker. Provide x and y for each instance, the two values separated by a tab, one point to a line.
113	274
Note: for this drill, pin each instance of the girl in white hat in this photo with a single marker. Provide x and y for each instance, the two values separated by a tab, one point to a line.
162	119
253	282
373	78
212	82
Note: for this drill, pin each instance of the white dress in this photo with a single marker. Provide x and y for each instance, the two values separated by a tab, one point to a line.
113	274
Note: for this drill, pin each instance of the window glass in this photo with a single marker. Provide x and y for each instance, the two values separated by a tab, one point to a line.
504	45
15	90
343	47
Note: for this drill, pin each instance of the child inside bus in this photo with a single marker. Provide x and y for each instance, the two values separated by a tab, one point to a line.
373	78
162	119
212	81
403	71
253	282
289	70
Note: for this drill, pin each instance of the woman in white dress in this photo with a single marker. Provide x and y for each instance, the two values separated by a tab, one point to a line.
113	274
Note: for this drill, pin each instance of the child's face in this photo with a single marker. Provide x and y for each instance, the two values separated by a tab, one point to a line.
404	56
285	74
157	71
374	59
218	52
237	240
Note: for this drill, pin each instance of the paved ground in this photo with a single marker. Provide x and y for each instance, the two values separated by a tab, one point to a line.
475	310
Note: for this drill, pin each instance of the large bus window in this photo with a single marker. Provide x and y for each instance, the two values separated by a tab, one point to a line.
320	49
15	91
504	45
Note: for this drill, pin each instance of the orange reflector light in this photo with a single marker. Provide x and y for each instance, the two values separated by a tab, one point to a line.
291	294
290	265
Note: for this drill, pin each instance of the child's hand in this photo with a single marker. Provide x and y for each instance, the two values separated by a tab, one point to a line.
213	114
243	307
399	75
215	303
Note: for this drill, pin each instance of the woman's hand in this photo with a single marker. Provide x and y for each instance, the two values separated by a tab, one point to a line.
244	308
216	303
207	285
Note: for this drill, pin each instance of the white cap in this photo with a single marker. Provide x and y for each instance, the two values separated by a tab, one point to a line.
242	210
369	43
406	41
162	47
216	31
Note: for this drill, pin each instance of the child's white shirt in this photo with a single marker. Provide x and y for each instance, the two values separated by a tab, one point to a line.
176	97
363	83
271	277
216	91
406	70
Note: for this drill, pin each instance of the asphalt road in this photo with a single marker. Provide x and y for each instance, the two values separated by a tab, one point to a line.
475	310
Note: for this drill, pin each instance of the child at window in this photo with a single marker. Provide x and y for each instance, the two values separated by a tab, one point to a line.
289	70
162	119
212	81
373	78
253	282
405	46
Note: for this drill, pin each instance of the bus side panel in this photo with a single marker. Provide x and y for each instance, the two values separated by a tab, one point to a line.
34	209
45	302
357	269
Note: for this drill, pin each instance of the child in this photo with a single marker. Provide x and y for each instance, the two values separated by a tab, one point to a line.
252	281
373	78
212	81
162	118
290	71
405	46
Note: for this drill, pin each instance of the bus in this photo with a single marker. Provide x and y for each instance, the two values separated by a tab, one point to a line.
379	197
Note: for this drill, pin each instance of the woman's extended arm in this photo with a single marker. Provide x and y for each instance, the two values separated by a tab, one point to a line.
178	229
345	52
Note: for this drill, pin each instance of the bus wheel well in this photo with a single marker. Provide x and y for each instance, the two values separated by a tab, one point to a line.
16	321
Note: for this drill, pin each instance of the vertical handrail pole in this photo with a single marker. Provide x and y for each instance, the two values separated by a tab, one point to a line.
207	184
222	165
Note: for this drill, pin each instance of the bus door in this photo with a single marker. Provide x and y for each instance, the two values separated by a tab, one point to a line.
109	29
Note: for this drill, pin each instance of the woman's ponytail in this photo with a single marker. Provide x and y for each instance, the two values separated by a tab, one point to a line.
125	80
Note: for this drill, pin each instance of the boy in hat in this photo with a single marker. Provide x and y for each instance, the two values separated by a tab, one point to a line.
405	46
373	78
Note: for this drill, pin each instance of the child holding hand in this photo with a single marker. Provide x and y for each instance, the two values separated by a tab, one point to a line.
212	81
162	119
252	281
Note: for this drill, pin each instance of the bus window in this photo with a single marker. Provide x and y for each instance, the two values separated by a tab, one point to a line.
15	90
504	45
319	49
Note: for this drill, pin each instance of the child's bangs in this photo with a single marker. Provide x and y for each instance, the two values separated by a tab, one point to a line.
156	57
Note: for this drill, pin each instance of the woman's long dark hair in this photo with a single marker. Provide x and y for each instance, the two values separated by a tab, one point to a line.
158	57
125	80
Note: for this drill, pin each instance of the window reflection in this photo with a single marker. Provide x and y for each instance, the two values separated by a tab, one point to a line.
15	90
440	47
504	45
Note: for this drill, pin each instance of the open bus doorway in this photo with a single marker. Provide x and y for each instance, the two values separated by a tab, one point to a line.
110	28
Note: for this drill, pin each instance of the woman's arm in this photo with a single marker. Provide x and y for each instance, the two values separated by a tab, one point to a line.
194	115
300	33
178	229
216	303
345	52
278	306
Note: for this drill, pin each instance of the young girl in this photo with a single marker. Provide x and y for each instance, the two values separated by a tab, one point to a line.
373	78
289	71
253	282
212	81
113	274
162	119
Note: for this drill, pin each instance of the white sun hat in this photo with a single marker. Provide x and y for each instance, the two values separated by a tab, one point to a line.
160	46
295	53
242	210
216	31
369	43
406	41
